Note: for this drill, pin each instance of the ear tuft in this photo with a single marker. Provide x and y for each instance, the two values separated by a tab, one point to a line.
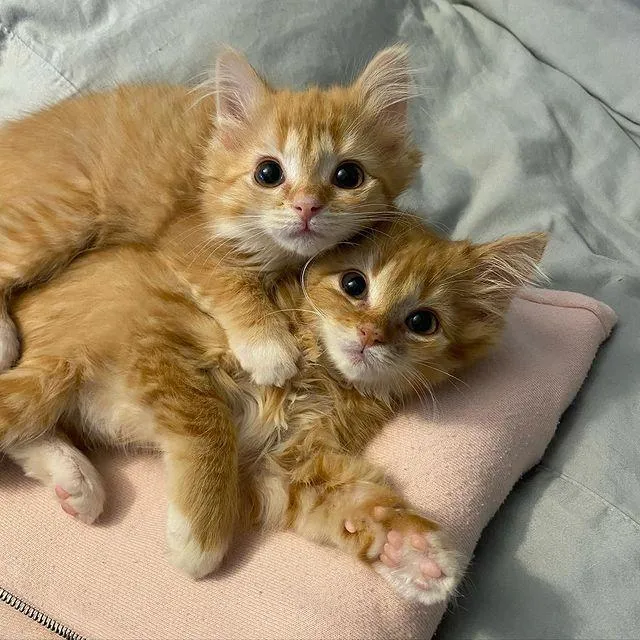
508	264
239	88
386	86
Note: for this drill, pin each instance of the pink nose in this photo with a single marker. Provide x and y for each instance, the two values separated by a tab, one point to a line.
307	207
370	335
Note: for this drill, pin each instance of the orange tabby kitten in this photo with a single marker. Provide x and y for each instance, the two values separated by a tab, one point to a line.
254	179
113	351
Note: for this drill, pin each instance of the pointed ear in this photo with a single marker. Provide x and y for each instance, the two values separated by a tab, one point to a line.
385	85
239	89
506	265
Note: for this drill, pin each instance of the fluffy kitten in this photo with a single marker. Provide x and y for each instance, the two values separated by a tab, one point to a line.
254	179
115	352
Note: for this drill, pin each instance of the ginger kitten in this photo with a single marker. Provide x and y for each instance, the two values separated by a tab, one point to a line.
253	179
378	324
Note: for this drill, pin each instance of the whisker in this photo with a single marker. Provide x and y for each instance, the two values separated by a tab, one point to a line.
427	385
304	286
427	363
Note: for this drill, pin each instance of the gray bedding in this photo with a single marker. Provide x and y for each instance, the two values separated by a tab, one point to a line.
529	118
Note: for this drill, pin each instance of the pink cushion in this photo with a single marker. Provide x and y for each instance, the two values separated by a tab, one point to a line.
457	463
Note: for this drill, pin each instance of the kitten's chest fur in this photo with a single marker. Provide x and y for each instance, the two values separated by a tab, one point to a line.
268	419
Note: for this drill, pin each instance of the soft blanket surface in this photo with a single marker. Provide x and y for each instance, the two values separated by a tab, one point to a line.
456	462
529	119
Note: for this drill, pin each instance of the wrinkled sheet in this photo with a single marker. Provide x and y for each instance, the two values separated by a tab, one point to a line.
529	118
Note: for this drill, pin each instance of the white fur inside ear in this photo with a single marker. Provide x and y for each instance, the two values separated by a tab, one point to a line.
386	84
512	262
239	88
185	551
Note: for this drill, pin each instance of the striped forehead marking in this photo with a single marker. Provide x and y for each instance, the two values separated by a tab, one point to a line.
393	285
307	156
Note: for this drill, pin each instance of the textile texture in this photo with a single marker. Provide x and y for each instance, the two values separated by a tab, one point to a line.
528	117
456	462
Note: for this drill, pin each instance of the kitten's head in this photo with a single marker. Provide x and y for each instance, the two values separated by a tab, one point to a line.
407	308
298	172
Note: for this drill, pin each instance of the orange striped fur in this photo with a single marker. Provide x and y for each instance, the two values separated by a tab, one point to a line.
117	350
166	166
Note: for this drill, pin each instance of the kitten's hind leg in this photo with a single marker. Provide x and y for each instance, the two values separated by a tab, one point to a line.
203	502
55	462
201	457
344	500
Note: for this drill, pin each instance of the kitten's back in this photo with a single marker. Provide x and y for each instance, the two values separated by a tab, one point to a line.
130	149
102	305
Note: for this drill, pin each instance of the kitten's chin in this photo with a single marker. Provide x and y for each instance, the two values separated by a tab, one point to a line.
324	232
305	244
373	372
369	381
363	371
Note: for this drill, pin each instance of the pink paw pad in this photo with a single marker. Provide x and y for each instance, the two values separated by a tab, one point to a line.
397	548
350	526
430	569
63	495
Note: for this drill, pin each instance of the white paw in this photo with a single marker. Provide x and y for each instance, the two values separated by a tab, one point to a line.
59	465
184	550
271	362
77	486
419	566
9	343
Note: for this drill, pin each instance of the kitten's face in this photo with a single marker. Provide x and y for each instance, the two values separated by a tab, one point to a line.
302	171
402	312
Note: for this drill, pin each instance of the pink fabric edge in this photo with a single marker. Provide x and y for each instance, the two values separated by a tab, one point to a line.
569	299
561	299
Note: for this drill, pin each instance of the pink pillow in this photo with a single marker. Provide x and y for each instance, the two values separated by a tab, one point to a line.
457	464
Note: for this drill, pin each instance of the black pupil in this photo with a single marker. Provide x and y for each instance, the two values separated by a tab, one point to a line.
354	284
420	321
348	175
269	172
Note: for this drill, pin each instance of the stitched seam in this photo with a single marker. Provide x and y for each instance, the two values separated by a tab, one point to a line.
577	483
25	44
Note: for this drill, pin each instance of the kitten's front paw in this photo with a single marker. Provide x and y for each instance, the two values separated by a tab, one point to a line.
185	552
410	554
271	362
419	566
9	343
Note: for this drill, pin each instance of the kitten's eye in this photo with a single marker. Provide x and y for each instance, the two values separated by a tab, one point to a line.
269	174
354	284
348	175
423	321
